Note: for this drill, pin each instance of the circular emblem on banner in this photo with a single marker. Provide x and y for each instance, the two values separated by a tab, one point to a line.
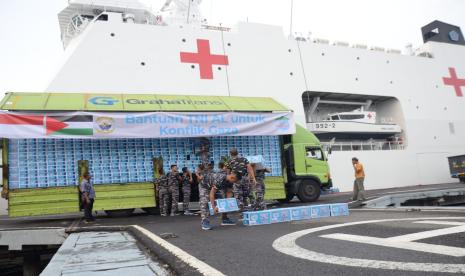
105	125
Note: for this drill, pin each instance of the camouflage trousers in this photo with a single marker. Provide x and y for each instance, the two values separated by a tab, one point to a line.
249	194
259	200
174	193
186	196
163	199
204	198
165	194
241	192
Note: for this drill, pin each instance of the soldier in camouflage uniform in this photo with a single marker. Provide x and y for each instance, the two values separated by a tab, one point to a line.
211	167
204	193
221	185
204	152
245	172
186	189
204	156
260	170
173	188
227	192
163	192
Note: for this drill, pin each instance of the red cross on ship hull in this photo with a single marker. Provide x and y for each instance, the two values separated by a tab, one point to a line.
455	82
204	59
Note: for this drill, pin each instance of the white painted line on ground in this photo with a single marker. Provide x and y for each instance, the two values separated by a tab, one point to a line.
413	209
407	245
287	245
428	234
415	190
455	223
201	266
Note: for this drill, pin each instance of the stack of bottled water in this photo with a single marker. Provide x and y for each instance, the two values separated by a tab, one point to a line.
36	163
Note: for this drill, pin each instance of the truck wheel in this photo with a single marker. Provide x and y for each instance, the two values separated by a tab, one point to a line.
308	190
462	179
119	213
152	210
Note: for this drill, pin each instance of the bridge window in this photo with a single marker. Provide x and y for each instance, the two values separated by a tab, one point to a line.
103	17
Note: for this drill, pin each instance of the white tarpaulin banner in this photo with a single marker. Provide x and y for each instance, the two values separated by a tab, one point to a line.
144	124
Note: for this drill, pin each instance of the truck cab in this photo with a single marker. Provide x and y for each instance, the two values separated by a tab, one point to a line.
307	168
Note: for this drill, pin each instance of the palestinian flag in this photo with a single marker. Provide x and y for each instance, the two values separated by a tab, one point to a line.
19	125
80	125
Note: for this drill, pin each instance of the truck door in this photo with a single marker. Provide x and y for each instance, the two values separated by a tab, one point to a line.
315	163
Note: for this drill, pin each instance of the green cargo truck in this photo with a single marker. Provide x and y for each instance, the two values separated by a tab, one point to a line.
59	153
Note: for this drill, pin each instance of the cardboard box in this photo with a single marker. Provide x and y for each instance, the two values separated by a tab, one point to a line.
224	205
339	209
255	159
280	215
301	213
296	213
227	205
306	212
320	211
257	218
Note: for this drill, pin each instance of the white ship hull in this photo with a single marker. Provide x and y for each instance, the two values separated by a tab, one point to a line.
116	57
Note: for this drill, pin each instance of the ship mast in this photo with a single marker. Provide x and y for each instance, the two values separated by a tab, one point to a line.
181	12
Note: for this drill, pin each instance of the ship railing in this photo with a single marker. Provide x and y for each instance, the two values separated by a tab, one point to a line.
216	28
363	145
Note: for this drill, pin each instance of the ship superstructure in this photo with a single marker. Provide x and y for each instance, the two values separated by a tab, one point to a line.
124	47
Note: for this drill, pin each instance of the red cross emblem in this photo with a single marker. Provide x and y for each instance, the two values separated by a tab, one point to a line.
369	115
204	59
454	81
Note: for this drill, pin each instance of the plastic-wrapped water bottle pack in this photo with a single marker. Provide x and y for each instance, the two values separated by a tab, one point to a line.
295	213
35	163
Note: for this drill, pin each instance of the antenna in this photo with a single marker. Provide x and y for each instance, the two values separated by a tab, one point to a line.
188	11
409	49
292	14
211	11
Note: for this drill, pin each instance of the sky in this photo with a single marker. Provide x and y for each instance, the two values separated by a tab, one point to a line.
31	50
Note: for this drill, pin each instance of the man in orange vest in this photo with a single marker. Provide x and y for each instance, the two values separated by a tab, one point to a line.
359	189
